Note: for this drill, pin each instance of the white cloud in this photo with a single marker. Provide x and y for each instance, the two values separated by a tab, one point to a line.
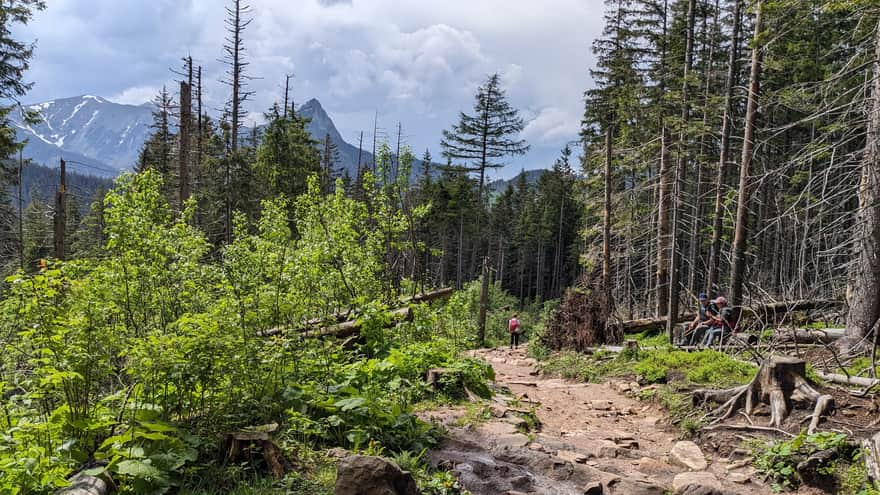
552	124
418	62
135	95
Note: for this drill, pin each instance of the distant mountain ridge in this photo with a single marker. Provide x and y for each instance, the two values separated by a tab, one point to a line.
99	137
96	135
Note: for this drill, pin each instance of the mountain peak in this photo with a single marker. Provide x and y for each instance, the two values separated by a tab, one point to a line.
313	106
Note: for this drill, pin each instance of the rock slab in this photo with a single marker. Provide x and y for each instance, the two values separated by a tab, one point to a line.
83	484
368	475
696	483
688	454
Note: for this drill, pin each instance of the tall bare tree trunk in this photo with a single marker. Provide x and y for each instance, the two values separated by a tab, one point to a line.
663	226
864	284
606	227
737	271
484	303
680	173
184	146
696	251
721	178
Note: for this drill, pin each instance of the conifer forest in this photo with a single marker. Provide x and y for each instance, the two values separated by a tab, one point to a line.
685	299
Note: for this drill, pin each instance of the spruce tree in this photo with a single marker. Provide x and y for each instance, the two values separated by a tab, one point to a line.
15	58
487	136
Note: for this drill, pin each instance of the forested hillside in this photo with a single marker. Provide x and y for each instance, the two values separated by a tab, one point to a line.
253	309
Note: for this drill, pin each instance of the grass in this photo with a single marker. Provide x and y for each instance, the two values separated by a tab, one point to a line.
706	367
292	484
651	338
475	414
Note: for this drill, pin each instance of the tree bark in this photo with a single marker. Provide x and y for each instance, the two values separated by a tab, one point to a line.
606	228
663	227
721	177
484	304
737	271
680	173
864	284
184	147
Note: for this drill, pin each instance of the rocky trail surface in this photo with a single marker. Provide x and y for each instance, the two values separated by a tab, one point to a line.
556	437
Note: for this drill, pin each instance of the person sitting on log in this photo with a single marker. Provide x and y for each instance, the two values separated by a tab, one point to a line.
693	332
719	321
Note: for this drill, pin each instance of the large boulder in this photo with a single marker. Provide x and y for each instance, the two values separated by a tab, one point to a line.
368	475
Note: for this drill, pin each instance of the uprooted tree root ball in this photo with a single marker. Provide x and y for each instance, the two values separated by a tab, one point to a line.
579	321
780	382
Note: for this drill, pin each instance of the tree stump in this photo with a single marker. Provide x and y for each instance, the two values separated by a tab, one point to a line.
779	383
241	444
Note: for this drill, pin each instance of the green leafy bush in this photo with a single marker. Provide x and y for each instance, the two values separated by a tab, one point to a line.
778	461
133	358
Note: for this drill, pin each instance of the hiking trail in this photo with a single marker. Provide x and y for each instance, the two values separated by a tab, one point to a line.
589	439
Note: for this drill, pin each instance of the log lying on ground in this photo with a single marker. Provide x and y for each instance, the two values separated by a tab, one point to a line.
339	324
762	311
859	381
779	383
645	324
812	335
353	327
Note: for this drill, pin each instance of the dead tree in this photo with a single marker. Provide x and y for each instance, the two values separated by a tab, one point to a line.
779	383
663	227
606	228
737	271
680	172
864	284
237	20
723	162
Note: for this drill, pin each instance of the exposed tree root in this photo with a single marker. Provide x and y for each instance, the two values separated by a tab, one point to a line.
779	383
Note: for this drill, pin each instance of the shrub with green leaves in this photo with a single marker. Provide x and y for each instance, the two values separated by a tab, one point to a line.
139	360
778	461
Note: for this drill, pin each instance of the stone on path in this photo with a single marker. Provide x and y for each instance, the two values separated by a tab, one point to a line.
741	478
688	454
573	457
601	404
696	482
654	466
368	475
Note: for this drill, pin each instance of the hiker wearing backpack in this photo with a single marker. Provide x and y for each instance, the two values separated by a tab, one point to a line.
515	329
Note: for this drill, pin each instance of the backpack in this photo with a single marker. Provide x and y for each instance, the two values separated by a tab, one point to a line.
514	325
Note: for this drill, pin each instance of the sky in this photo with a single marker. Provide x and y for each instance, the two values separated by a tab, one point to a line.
417	62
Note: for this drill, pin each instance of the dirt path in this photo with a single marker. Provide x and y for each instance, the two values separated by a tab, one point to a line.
592	439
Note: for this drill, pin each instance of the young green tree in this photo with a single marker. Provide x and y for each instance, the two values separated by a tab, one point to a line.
287	155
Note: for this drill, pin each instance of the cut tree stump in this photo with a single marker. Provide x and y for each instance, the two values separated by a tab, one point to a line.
779	383
241	444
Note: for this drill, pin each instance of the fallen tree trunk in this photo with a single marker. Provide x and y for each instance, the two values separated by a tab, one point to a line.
645	324
764	311
848	380
779	383
353	327
340	322
812	335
